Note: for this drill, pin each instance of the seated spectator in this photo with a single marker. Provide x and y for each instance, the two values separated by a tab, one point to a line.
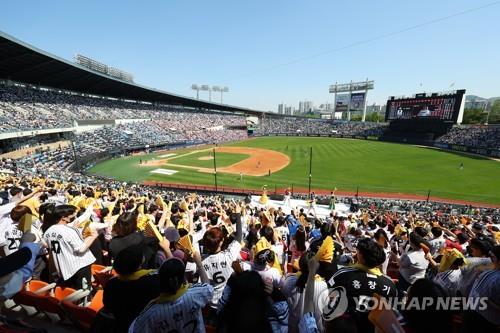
179	306
412	264
486	285
69	250
427	316
362	279
251	305
132	289
127	234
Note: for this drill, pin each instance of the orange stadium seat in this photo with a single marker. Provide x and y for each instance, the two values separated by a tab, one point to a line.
33	292
84	315
101	275
41	297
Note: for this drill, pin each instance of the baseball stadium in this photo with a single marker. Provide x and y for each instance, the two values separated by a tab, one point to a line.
128	208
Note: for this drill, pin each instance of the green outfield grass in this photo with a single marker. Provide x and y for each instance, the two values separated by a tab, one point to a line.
222	159
342	163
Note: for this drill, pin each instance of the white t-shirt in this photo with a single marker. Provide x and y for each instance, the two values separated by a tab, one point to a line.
271	274
413	266
64	243
437	244
218	268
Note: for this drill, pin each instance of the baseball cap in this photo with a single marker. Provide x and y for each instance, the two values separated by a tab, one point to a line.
14	261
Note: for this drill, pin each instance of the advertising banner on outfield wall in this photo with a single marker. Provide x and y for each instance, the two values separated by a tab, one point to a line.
341	102
467	149
357	101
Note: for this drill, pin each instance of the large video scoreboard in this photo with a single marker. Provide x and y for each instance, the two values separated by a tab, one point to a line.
447	107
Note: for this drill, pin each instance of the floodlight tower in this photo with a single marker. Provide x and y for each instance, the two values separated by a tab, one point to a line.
197	88
206	87
222	90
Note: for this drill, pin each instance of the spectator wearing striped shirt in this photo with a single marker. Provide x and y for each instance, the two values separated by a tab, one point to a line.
178	308
486	285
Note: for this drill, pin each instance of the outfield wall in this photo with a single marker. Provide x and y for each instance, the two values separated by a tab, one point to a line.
489	152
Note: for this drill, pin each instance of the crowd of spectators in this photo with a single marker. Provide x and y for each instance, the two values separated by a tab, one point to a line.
294	126
122	139
25	108
360	128
318	127
143	259
480	136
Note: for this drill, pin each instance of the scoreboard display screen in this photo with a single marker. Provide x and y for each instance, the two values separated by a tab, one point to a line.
445	107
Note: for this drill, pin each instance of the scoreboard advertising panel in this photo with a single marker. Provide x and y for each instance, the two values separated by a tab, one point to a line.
444	106
354	102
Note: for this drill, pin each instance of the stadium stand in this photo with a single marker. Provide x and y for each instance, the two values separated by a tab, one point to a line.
271	126
102	255
387	235
474	136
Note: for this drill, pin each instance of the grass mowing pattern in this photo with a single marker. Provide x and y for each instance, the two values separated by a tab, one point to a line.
371	165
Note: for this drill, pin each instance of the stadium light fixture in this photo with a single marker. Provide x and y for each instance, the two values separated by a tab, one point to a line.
206	87
223	90
197	88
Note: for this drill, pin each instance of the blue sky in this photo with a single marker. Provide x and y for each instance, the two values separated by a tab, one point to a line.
264	51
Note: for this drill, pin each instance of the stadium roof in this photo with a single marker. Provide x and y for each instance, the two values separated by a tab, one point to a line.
25	63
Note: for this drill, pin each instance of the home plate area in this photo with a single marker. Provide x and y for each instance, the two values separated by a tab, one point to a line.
166	172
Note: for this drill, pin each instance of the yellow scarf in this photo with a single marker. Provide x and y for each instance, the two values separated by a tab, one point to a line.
136	275
164	298
375	270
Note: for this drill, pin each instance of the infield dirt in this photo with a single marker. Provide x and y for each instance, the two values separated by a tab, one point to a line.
259	163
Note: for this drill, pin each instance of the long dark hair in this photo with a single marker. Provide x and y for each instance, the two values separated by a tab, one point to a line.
300	239
247	309
304	272
125	224
53	214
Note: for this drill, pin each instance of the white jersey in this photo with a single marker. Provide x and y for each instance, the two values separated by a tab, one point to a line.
5	209
218	268
64	243
180	315
283	233
10	234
